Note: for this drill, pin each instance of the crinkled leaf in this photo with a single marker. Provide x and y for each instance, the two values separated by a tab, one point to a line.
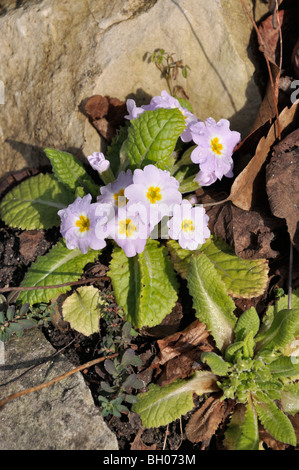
248	322
274	420
248	436
114	154
217	365
82	310
285	366
232	350
242	277
58	266
152	137
283	329
248	345
145	285
34	203
212	304
71	172
290	398
281	304
162	405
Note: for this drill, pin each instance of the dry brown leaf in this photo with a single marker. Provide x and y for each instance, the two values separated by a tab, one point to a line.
179	343
282	183
204	423
243	187
138	444
106	114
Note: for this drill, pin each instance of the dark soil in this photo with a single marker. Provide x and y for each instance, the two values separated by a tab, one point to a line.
18	249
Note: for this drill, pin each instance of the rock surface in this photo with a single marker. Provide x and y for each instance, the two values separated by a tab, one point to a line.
56	53
59	417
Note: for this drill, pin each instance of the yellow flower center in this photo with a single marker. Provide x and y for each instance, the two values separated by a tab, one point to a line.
154	195
126	227
187	225
83	223
121	194
216	146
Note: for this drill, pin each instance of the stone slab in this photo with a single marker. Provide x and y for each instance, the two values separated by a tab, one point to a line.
59	417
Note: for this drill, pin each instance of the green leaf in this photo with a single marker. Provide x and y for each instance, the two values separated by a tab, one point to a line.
248	345
290	398
71	172
189	185
281	304
145	285
285	366
232	433
162	405
242	277
274	420
232	350
58	266
248	438
34	203
153	136
113	153
281	332
183	102
248	322
217	365
82	310
212	304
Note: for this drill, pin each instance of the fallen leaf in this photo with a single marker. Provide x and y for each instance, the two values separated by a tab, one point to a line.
31	244
268	39
138	444
243	187
181	367
249	233
282	183
106	114
195	335
204	422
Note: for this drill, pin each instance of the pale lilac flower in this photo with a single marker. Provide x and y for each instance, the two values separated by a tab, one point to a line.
133	110
168	102
113	193
189	225
130	229
98	162
78	223
215	146
205	179
156	190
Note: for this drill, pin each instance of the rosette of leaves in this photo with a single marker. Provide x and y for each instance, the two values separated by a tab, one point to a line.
258	369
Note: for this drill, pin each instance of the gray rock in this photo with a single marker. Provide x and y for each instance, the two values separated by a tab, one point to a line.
56	53
59	417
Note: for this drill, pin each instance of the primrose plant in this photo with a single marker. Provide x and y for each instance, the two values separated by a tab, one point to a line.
256	365
134	203
134	199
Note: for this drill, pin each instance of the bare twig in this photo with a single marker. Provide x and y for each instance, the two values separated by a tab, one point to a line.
55	380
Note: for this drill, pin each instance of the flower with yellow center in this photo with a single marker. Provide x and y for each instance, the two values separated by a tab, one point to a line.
153	194
126	227
187	225
120	199
83	223
216	146
78	225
